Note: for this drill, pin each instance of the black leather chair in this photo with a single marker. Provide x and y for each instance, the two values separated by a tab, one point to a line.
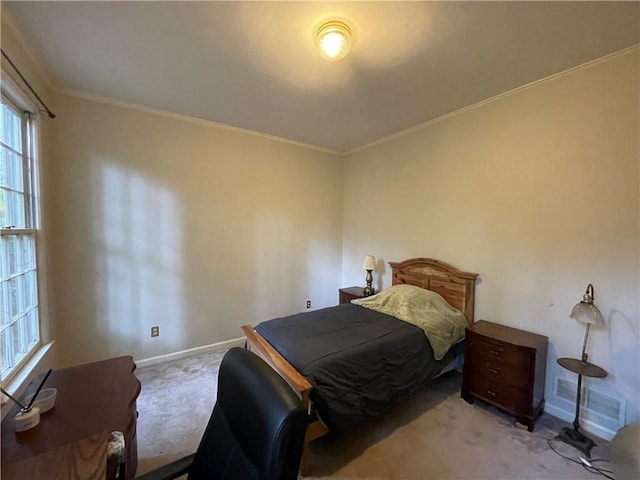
256	430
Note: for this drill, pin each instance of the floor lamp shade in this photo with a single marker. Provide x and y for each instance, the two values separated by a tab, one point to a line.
586	312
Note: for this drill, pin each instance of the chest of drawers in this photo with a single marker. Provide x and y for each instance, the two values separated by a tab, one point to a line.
506	367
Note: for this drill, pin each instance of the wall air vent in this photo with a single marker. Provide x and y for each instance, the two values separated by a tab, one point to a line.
593	401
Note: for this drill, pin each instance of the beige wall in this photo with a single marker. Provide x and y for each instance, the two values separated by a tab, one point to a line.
538	192
156	221
196	229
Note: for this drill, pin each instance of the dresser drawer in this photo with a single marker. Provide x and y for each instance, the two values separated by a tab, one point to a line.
497	351
507	396
497	370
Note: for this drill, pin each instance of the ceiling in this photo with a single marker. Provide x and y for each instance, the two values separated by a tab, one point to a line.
253	65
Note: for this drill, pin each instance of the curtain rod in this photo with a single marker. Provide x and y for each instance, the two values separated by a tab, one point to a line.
49	112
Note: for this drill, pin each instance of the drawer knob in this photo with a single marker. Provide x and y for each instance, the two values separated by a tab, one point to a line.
493	394
495	352
493	370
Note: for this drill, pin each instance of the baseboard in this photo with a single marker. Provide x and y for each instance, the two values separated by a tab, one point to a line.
586	425
235	342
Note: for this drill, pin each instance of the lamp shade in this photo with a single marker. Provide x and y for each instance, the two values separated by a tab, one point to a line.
369	263
586	311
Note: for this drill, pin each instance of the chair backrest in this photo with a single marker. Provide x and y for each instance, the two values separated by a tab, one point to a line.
257	427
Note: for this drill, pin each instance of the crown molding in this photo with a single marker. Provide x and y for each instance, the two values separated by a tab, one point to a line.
9	23
495	98
186	118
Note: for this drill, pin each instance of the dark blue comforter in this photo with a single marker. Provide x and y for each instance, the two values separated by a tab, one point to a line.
360	362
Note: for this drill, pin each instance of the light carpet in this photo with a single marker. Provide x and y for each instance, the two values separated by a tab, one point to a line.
433	434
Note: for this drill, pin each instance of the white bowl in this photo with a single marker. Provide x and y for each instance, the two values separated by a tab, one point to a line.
45	400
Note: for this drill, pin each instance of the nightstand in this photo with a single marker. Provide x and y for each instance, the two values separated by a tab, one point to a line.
349	293
505	367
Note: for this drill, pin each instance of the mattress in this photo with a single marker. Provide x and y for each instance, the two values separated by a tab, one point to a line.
360	362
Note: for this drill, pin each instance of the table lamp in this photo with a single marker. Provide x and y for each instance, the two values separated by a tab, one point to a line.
584	312
369	265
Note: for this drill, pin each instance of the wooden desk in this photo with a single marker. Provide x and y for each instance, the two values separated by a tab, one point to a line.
70	441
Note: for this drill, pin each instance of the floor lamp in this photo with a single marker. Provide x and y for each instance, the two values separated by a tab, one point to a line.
584	312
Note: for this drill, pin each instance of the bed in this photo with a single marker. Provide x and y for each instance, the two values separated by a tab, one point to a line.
350	362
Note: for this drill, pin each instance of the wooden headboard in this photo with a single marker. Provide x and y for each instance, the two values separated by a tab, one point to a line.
456	287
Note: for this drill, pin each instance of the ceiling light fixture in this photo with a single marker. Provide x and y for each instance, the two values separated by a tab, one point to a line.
333	39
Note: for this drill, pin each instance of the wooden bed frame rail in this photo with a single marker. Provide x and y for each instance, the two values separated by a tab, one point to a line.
300	385
263	349
456	286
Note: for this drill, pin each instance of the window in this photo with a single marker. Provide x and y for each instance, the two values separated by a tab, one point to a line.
19	312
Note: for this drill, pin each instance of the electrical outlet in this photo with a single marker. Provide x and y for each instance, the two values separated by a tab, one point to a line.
308	303
155	331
